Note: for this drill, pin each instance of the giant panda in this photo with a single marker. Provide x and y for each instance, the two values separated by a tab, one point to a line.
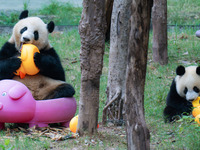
184	89
50	82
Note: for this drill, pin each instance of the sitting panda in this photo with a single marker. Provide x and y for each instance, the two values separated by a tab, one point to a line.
50	82
184	89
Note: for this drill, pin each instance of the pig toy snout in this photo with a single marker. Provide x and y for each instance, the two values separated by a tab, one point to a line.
17	92
16	101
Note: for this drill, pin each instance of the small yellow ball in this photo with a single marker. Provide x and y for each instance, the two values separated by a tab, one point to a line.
73	124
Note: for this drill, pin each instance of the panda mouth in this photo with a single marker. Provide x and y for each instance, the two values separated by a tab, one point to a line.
191	100
21	44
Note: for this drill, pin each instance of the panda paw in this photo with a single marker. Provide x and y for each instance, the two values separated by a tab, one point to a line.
63	90
37	59
70	91
15	63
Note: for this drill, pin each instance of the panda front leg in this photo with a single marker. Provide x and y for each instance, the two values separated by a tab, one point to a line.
63	90
49	64
8	67
9	62
171	114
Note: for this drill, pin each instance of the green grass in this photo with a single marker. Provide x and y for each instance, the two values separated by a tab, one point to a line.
60	13
10	19
183	12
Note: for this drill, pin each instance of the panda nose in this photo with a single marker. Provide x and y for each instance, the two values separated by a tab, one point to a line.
26	39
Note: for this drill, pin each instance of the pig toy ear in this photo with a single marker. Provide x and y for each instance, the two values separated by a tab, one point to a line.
17	91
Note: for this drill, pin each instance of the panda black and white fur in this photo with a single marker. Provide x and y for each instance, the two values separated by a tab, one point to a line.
50	81
184	89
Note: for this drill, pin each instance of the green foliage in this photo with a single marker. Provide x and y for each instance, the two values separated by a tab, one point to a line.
26	3
6	146
8	19
62	13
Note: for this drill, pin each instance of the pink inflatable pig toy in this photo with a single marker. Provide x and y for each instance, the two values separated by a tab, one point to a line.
17	105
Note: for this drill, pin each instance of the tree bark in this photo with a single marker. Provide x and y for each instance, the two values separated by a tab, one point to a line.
159	21
92	32
117	62
138	136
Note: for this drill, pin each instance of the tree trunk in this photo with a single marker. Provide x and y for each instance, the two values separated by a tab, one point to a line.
117	61
159	20
109	7
92	32
138	136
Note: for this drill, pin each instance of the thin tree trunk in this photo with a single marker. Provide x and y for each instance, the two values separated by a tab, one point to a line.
117	61
138	136
92	32
159	21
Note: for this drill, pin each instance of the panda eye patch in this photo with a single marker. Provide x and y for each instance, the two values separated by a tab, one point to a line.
36	35
185	90
196	89
23	29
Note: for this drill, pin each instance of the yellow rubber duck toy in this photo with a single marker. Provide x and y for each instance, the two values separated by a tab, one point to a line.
196	110
27	57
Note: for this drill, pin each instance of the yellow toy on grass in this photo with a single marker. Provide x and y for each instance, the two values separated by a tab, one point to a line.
196	110
73	124
27	57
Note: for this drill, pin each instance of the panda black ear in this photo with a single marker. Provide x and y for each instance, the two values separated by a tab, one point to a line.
198	70
24	14
180	70
50	26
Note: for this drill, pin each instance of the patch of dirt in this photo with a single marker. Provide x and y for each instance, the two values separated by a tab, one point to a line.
108	137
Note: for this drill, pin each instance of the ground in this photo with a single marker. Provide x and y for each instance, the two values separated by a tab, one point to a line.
109	137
